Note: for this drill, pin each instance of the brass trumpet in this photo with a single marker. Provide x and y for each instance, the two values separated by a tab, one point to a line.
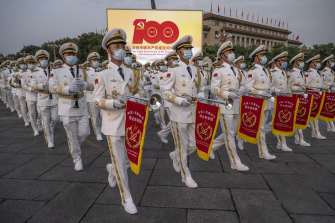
228	104
155	101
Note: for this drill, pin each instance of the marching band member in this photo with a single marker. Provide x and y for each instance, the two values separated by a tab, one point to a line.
279	82
296	82
314	79
57	64
147	80
224	85
21	93
172	62
122	80
328	82
182	82
258	81
46	102
7	73
31	94
68	83
15	77
93	59
198	62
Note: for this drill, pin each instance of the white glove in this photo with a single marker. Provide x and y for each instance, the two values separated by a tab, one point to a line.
74	89
79	82
232	95
272	89
241	90
33	82
185	103
207	87
297	88
332	88
117	104
201	95
288	91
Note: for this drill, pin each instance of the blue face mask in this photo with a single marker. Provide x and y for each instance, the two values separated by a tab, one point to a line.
332	64
119	54
127	60
201	63
162	68
95	64
264	60
31	66
71	60
242	65
318	66
284	65
187	54
23	66
175	62
301	65
134	65
44	63
231	57
15	68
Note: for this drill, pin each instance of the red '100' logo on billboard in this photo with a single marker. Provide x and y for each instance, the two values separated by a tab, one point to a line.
153	32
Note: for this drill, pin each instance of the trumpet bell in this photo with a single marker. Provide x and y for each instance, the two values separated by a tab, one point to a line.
155	101
229	104
273	97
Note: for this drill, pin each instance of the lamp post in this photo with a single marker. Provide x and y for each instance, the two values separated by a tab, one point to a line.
53	46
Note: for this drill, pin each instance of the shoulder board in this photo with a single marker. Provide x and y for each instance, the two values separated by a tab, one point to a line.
309	71
253	68
291	71
272	71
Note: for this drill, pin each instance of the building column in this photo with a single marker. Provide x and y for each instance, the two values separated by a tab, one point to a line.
245	41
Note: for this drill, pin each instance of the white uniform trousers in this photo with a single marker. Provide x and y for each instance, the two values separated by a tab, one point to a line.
95	118
17	104
315	127
49	117
9	98
159	116
24	109
184	138
262	147
32	111
298	135
77	129
166	132
119	158
330	126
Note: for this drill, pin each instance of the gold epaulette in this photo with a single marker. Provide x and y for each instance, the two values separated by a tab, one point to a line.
272	71
253	68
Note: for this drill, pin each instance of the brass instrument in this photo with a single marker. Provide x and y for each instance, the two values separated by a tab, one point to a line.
228	104
155	101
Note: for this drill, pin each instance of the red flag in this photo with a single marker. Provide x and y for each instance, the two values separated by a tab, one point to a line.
236	13
283	25
211	8
297	37
271	21
267	19
262	19
279	24
224	10
248	16
218	9
230	12
242	14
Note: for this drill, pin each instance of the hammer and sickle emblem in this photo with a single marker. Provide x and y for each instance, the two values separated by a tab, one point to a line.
330	107
301	112
284	116
140	26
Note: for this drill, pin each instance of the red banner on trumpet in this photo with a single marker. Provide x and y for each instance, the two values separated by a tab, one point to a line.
328	109
283	121
251	115
304	111
136	121
206	122
316	105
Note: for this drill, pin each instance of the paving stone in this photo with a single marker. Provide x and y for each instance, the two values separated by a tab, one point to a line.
35	167
65	173
321	183
29	189
325	160
88	155
258	206
297	196
313	219
270	167
12	161
290	157
137	185
330	198
308	169
116	213
71	204
184	197
18	210
210	216
197	164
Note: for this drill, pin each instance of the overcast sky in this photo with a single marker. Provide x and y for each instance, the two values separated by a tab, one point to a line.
25	22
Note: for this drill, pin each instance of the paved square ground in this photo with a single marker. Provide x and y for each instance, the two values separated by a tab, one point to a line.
40	185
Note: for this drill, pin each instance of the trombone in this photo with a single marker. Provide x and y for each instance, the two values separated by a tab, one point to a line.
155	101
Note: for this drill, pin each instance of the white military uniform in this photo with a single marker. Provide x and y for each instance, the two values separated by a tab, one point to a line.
113	119
75	120
21	93
93	109
258	81
180	83
225	80
156	83
31	99
7	73
314	79
46	104
15	75
147	85
295	80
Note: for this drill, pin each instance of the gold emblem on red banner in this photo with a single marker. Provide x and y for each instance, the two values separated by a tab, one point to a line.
204	131
315	105
249	119
284	116
133	136
330	107
301	112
